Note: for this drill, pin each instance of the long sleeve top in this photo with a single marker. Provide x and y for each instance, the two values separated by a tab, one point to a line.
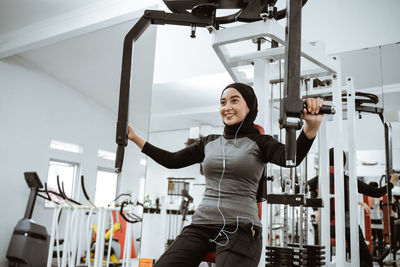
233	168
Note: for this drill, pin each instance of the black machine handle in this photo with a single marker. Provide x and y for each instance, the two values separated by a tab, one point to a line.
62	192
294	123
48	197
84	188
324	109
149	17
121	212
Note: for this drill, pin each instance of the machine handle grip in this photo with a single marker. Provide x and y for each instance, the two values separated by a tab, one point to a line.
324	109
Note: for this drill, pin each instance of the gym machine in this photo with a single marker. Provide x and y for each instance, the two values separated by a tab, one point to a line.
203	14
261	25
178	192
30	242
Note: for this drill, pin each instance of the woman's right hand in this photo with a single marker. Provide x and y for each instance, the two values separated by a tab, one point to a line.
131	133
135	138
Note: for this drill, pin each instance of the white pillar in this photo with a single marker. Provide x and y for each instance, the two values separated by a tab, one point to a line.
323	185
263	92
352	163
338	170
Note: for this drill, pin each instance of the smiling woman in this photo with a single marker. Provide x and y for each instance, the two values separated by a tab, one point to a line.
233	165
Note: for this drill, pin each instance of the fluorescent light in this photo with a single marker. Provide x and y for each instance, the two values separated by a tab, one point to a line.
106	155
66	146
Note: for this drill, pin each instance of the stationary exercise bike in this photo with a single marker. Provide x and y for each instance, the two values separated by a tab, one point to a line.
29	243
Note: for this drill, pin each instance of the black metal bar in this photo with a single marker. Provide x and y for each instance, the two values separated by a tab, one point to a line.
181	6
34	183
47	192
294	200
149	17
291	104
69	199
31	203
161	18
324	109
59	188
123	107
293	54
62	192
367	109
84	188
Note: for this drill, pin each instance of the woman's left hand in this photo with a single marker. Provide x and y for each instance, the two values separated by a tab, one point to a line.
311	116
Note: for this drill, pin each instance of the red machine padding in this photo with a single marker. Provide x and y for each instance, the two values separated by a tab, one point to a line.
367	223
386	215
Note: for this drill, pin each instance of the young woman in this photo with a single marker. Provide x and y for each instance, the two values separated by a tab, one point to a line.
227	218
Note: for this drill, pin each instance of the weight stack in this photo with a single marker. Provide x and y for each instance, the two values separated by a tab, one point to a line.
293	255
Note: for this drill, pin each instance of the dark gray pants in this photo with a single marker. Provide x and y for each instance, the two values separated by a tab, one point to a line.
189	248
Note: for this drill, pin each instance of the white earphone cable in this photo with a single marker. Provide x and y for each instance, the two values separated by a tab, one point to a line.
223	231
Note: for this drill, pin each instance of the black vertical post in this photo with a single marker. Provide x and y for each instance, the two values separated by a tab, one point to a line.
149	17
292	105
31	203
389	170
123	107
33	182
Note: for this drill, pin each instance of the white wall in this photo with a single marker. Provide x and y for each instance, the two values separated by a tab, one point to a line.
34	109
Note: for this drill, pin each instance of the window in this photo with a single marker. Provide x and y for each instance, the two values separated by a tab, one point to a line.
67	174
106	187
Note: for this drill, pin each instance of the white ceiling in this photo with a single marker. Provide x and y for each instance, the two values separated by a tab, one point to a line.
188	75
15	14
89	63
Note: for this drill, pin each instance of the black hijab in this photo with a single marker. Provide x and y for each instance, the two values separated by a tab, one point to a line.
247	127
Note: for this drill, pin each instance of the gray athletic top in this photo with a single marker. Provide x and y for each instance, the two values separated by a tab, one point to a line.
245	161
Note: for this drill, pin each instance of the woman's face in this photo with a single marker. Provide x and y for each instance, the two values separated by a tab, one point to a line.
233	107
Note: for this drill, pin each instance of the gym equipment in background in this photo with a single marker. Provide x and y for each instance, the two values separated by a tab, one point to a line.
178	192
29	243
80	223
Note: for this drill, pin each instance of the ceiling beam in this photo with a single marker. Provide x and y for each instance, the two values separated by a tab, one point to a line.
80	21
